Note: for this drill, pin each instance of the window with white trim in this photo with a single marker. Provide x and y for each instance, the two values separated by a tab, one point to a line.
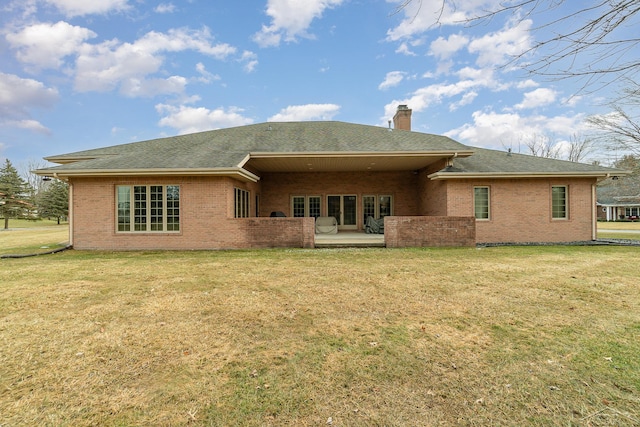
241	202
559	202
147	208
302	206
376	206
481	202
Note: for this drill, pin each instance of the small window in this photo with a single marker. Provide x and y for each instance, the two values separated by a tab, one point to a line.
148	208
481	202
241	203
559	202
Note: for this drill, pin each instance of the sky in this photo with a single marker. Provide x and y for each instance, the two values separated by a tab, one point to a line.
82	74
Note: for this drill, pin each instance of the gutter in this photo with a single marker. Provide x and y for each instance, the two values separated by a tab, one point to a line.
506	175
244	174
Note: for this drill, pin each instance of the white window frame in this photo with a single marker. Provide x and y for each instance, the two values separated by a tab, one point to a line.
376	205
566	203
475	201
241	203
147	210
307	205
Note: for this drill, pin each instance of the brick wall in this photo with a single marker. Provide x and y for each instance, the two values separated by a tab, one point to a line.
520	210
419	231
277	189
206	218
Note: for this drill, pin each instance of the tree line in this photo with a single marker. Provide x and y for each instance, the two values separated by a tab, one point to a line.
32	198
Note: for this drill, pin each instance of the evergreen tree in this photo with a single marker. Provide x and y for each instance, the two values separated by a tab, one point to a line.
14	194
53	202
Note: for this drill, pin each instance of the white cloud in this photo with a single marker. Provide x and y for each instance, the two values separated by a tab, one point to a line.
112	64
296	113
165	8
18	96
512	130
250	61
86	7
466	99
148	88
392	79
421	16
291	19
427	96
404	49
527	84
537	98
205	76
493	49
197	119
46	45
27	124
443	48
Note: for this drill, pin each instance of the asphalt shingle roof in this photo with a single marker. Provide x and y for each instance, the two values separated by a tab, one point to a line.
493	161
227	148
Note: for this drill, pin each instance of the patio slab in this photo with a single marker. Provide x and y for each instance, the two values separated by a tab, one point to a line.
349	239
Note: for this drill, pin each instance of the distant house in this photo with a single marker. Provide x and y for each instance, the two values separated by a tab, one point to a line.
619	200
263	185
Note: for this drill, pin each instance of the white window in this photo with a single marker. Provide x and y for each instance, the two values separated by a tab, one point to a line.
481	202
302	206
147	208
559	202
241	202
376	206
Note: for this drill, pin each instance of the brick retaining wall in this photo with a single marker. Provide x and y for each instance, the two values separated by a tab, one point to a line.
419	231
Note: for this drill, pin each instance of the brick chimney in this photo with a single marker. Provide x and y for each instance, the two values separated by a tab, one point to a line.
402	119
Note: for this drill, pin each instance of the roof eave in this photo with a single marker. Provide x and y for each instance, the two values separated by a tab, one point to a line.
326	154
238	173
507	175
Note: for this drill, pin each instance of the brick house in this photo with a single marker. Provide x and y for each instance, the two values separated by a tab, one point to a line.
263	185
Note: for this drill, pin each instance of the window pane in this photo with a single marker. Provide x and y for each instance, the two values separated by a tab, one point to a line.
173	208
481	202
298	206
241	203
368	207
314	206
385	206
140	208
156	207
124	208
559	202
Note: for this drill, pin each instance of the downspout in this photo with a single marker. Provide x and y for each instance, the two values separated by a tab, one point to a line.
594	213
70	214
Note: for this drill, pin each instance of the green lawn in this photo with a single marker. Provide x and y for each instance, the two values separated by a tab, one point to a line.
362	337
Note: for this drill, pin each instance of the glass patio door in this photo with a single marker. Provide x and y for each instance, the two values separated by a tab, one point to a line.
344	209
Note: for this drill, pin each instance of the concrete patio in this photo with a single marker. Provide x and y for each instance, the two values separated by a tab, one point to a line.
349	240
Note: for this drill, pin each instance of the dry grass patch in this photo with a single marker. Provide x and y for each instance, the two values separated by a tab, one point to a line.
496	336
615	225
29	237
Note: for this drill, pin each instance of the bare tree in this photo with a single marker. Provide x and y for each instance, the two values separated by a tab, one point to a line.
594	42
579	148
543	146
620	129
35	182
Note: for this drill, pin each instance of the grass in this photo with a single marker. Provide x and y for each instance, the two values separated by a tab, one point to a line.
375	337
610	230
32	237
615	225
